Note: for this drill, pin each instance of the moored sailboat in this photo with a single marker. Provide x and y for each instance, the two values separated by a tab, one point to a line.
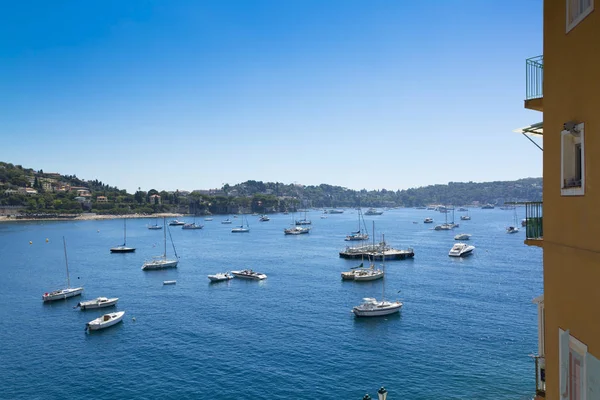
66	292
162	262
123	248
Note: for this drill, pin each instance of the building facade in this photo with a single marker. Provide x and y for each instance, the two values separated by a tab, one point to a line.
564	84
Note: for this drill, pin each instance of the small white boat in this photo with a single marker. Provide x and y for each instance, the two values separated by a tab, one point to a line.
461	250
296	230
443	227
221	276
373	308
193	225
154	227
249	274
176	222
428	221
226	221
99	302
105	321
465	218
169	282
462	236
323	216
208	219
264	218
373	211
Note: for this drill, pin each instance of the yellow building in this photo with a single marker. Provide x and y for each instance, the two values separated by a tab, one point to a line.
564	84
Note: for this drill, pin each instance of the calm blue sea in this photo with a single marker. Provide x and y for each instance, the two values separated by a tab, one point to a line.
465	331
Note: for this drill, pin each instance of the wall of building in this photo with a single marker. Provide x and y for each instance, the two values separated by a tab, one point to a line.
571	229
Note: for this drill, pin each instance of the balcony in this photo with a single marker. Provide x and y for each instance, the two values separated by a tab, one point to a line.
534	227
534	82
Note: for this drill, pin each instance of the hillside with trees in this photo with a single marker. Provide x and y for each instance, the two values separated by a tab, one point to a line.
39	193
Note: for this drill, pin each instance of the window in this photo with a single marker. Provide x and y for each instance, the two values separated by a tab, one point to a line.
573	161
577	10
572	356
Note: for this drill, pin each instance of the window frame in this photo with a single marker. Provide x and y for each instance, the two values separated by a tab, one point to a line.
580	17
579	350
579	140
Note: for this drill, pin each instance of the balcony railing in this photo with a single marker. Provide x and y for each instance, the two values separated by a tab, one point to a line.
534	227
534	72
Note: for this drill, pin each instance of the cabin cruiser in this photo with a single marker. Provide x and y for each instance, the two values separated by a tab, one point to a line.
99	302
249	274
296	230
372	211
428	221
264	218
373	308
221	276
465	218
176	222
193	225
461	250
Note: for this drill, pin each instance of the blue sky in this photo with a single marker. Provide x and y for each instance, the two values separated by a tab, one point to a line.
193	94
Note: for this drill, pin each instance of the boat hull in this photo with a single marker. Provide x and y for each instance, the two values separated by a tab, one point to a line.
254	275
62	294
122	249
377	311
162	264
365	278
220	277
102	323
98	303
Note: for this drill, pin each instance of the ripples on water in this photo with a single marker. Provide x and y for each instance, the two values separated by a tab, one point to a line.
465	331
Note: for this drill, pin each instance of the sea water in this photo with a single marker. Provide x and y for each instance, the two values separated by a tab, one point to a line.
465	331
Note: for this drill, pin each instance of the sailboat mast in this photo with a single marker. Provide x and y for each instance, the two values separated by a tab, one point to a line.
124	231
165	236
66	262
383	269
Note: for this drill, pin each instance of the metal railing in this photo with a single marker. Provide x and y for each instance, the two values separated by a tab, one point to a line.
534	226
534	77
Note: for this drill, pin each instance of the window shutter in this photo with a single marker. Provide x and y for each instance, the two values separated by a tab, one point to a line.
592	377
563	345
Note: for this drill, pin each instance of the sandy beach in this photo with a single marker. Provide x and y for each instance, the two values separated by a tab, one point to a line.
90	217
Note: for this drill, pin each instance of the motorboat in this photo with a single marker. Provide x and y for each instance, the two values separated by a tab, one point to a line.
162	262
512	229
123	248
264	218
226	221
465	218
296	230
169	282
487	207
176	222
461	250
249	274
373	308
193	225
62	294
428	221
105	321
221	276
373	211
154	227
208	219
335	211
99	302
462	209
462	236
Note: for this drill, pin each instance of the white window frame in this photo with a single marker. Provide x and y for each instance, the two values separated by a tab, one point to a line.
571	4
579	350
567	136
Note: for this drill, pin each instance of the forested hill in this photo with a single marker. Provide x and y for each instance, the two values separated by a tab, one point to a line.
459	193
30	191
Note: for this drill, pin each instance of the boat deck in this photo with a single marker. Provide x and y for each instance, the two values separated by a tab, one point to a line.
389	254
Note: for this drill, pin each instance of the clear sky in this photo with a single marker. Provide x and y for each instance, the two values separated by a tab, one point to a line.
193	94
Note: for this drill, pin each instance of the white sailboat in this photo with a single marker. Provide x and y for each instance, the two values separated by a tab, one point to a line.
359	234
514	227
242	228
373	308
68	291
123	248
161	262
